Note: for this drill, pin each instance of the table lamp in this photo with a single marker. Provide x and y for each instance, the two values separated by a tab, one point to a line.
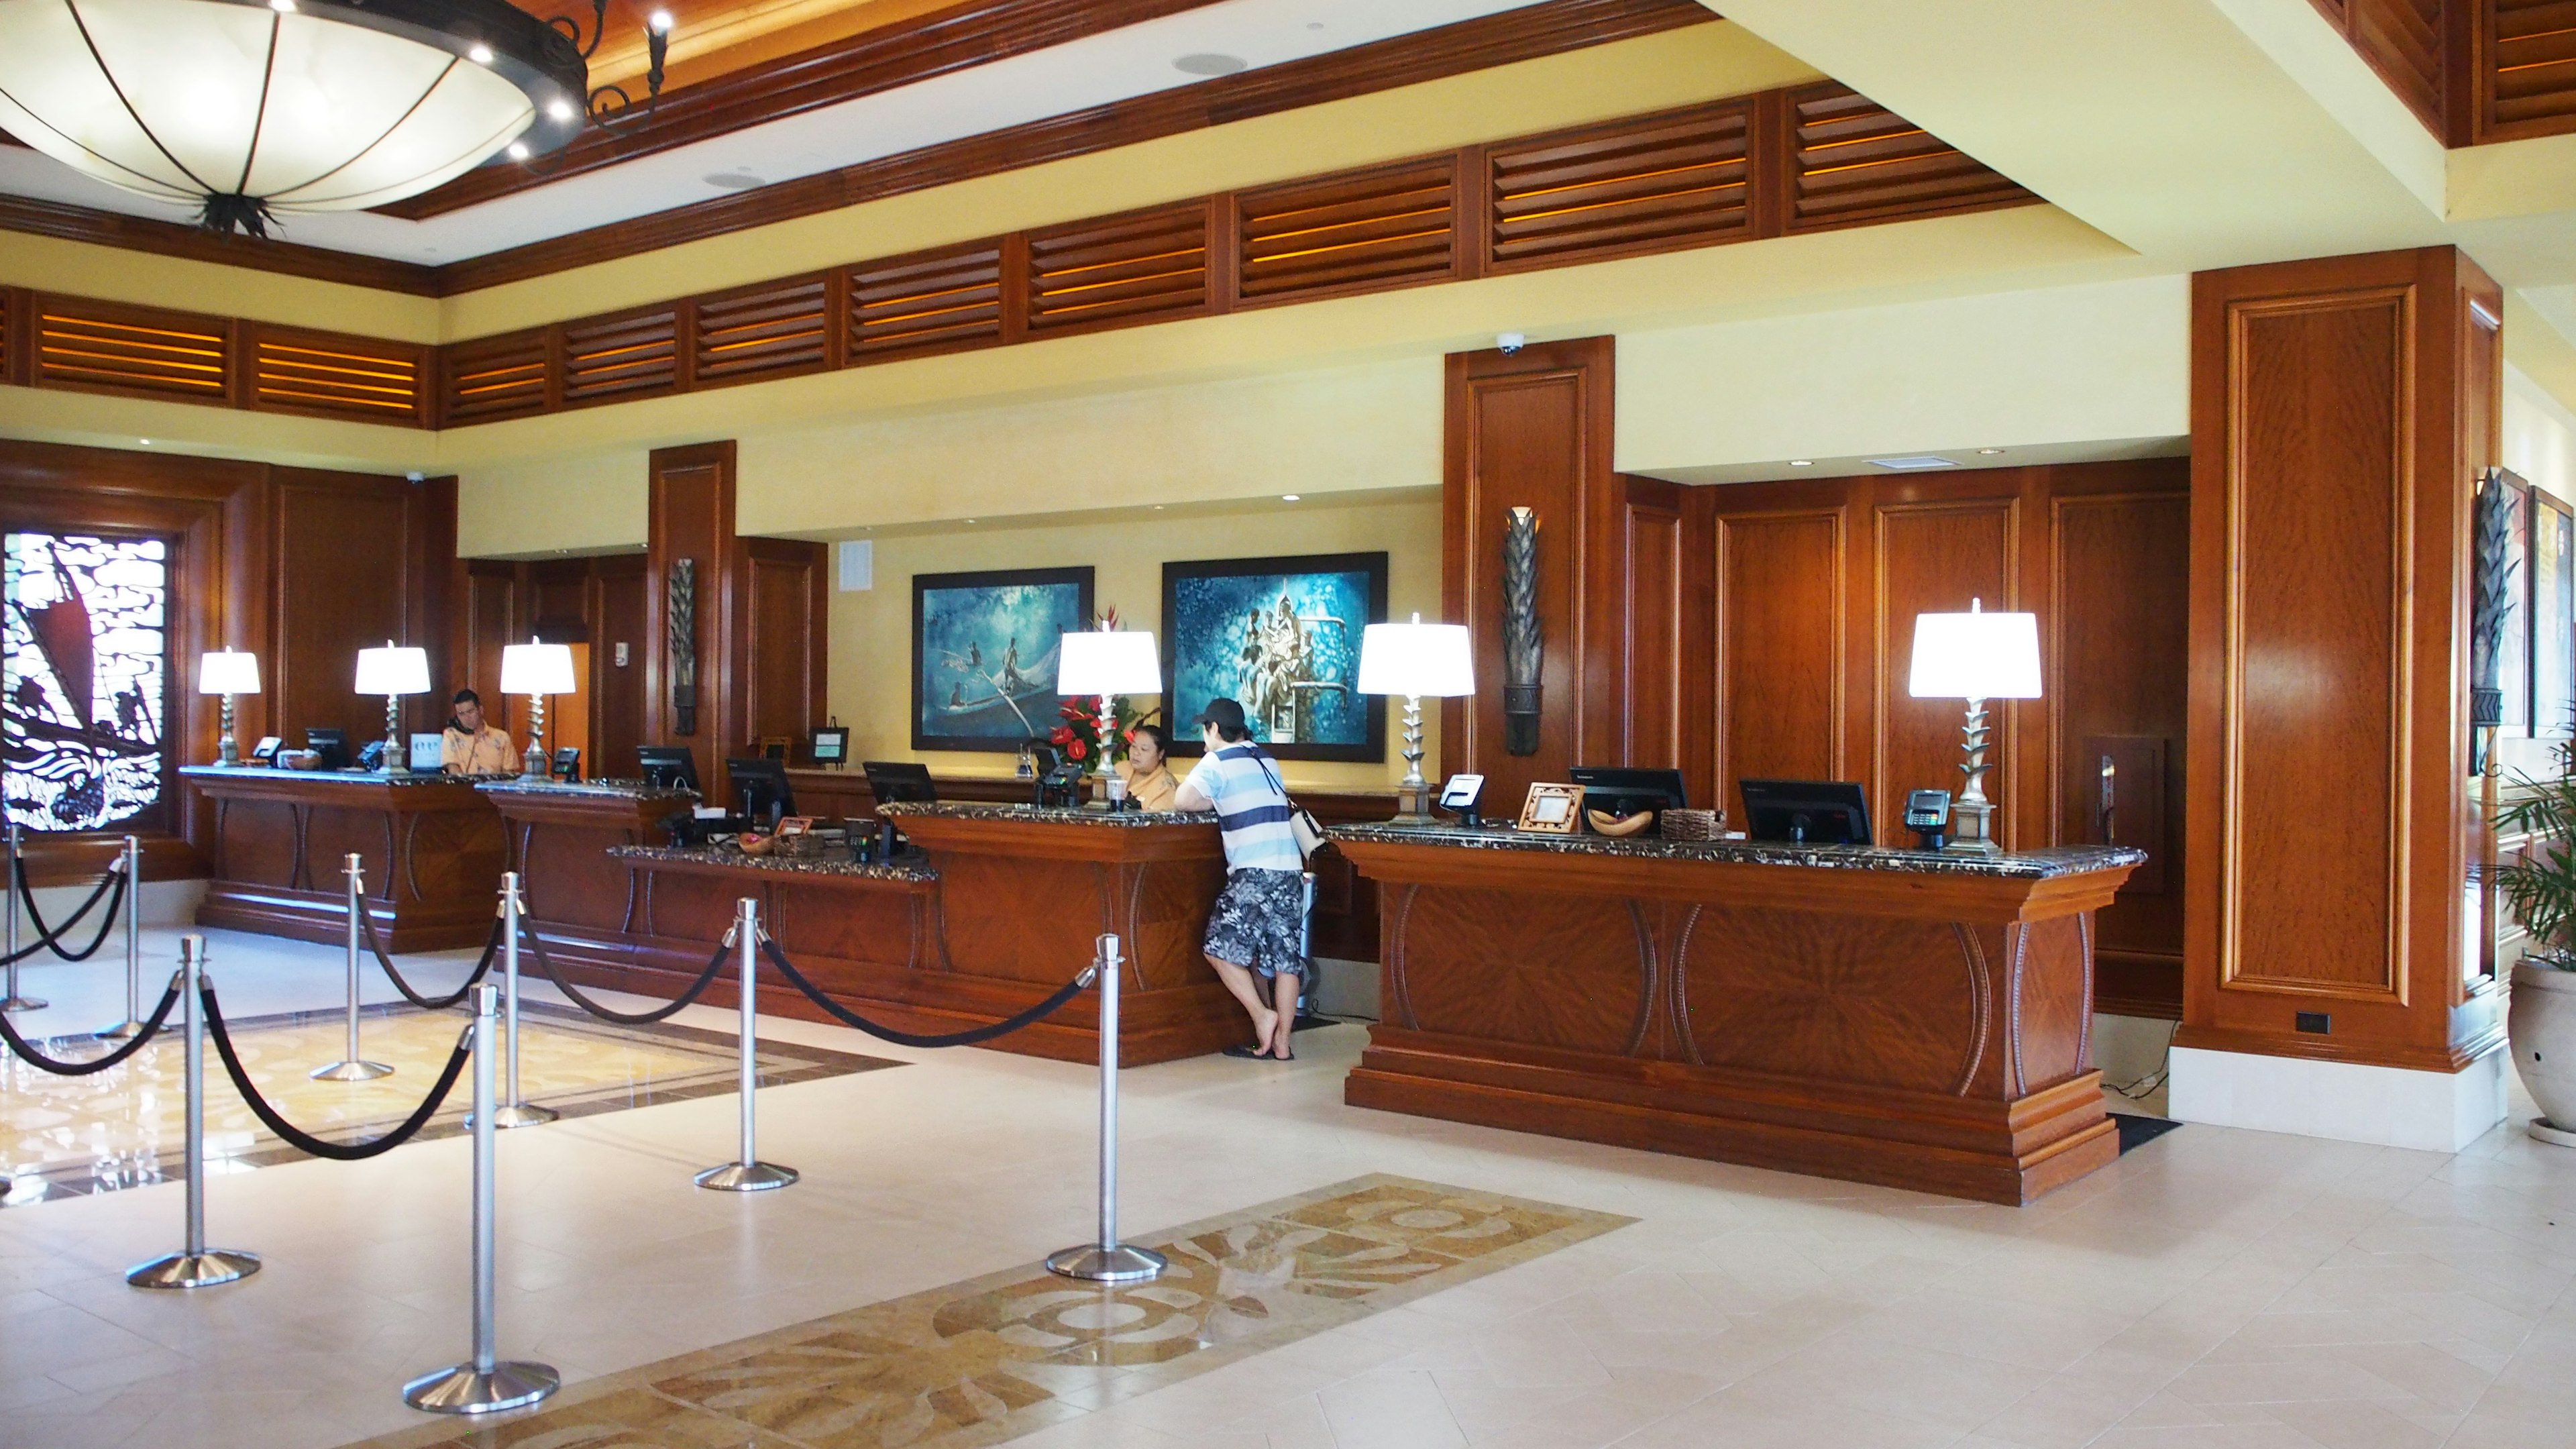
536	670
393	672
1415	660
1108	663
228	672
1975	656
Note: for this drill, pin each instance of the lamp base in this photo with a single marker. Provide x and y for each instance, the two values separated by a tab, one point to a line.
1972	828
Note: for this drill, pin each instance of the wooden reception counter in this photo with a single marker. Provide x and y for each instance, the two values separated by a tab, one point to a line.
997	907
430	846
1887	1016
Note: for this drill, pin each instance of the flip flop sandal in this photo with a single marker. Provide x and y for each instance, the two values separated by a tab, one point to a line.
1245	1053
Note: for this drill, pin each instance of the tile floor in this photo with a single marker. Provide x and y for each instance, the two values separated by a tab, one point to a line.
2215	1288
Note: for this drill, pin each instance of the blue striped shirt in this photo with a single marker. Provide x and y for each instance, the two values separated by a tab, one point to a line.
1251	808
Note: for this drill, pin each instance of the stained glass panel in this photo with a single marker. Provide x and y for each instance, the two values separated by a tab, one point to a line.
82	683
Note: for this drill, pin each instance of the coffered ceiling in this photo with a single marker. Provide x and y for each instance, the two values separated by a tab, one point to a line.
711	38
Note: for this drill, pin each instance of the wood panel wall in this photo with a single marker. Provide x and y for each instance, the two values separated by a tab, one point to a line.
359	561
597	600
2339	408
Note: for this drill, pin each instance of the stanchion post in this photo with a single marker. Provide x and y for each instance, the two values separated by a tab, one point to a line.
131	863
196	1265
516	1112
747	1173
11	999
1108	1260
483	1384
354	1067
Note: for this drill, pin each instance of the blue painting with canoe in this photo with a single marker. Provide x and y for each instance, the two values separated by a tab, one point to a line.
984	649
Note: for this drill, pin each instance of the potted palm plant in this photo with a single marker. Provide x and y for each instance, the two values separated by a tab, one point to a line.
2541	888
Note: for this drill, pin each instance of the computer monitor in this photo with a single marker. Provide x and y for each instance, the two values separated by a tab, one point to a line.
760	788
331	744
1807	812
892	780
1625	792
667	767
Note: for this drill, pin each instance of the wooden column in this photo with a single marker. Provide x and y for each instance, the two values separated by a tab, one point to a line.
2339	407
692	517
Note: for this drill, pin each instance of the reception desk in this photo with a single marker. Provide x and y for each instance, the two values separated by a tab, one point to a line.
1887	1016
559	838
998	907
430	845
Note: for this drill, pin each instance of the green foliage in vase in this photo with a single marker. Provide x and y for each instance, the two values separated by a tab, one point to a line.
2541	886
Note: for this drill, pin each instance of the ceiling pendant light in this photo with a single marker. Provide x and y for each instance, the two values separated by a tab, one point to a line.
253	109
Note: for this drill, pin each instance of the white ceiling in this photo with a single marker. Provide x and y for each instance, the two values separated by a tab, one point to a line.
1097	70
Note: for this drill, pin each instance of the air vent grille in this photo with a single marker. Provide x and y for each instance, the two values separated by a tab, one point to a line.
1856	161
2533	47
632	354
1144	266
99	348
935	302
1654	184
1357	232
778	329
491	378
342	377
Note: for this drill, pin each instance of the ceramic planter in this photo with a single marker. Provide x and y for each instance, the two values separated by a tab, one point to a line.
2542	1027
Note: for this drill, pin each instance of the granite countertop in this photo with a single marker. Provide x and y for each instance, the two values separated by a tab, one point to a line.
345	777
838	862
2020	865
974	810
619	789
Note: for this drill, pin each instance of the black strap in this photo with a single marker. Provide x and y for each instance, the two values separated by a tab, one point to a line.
34	1058
306	1142
697	988
110	887
491	945
970	1037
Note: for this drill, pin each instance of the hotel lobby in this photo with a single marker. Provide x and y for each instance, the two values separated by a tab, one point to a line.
1288	723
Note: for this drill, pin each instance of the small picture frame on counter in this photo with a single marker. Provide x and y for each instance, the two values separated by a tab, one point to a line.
1552	809
794	825
265	752
832	746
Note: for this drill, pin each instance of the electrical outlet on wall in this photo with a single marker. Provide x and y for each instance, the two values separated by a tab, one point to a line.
621	653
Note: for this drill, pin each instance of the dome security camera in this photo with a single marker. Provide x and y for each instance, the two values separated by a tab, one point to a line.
1511	342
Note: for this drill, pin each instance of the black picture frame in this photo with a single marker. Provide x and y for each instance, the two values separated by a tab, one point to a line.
831	746
1032	713
1182	629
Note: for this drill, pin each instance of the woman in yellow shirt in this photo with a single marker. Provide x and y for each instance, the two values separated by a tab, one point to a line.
1149	781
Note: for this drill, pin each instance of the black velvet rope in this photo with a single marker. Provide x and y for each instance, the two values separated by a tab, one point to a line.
306	1142
110	887
847	1017
697	988
491	948
34	1058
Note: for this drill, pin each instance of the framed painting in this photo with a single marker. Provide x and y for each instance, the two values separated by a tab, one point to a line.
984	651
2553	617
2513	652
1281	637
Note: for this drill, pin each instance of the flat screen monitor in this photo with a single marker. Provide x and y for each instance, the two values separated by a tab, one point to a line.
667	767
331	744
1625	792
760	788
892	780
1806	812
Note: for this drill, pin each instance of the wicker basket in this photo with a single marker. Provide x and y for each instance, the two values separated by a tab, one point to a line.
1693	824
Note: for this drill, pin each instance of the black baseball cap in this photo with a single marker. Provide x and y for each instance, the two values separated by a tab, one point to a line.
1225	714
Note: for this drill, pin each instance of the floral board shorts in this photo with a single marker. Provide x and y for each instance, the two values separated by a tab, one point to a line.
1255	921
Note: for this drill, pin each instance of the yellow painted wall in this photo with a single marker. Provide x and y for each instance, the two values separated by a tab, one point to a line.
872	631
50	264
588	503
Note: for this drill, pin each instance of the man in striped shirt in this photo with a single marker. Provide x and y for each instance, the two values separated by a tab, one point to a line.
1253	929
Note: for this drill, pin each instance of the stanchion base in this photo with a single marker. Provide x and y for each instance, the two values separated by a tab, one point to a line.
1119	1263
524	1115
194	1270
122	1031
746	1177
15	1004
351	1072
465	1390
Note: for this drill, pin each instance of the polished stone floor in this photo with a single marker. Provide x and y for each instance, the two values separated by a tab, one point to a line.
2212	1290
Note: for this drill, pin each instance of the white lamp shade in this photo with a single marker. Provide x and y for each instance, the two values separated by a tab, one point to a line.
228	671
1121	661
534	668
393	670
1430	660
1975	656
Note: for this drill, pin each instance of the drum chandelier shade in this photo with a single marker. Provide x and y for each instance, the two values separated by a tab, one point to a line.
253	108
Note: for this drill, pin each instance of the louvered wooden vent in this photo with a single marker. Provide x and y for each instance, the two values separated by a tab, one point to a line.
1144	266
98	348
1856	161
2402	40
935	302
1676	180
491	378
1357	232
629	355
778	329
2533	48
340	377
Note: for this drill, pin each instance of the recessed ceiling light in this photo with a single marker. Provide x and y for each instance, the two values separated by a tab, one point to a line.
147	442
481	54
1988	452
1288	497
970	520
1802	462
732	180
1207	62
1913	463
1158	508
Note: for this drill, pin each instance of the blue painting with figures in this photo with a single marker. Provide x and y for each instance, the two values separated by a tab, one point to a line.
984	653
1281	637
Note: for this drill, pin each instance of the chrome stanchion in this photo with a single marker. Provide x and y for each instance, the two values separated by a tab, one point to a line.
195	1266
353	1067
748	1173
11	999
1108	1260
516	1112
130	862
483	1384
